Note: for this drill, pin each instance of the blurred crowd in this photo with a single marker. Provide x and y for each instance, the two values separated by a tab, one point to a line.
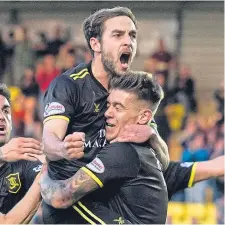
28	68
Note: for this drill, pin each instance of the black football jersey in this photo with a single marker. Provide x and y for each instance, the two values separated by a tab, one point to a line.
178	176
132	175
79	98
15	180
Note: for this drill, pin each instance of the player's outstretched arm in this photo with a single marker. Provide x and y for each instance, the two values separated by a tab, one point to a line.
20	148
57	147
64	193
209	169
25	209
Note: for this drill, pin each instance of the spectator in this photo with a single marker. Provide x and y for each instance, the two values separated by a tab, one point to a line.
56	43
196	152
161	117
162	60
41	47
23	54
2	57
46	71
184	89
30	90
219	97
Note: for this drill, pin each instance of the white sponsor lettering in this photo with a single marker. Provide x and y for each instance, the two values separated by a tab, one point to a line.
53	108
37	169
186	164
96	166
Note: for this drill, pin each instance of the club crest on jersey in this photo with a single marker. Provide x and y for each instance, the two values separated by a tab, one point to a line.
96	166
54	108
13	182
96	109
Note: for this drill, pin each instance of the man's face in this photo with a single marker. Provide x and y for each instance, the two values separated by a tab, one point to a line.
123	109
118	44
5	120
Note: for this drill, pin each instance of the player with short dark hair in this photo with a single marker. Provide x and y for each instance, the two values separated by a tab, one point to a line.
130	174
17	173
76	100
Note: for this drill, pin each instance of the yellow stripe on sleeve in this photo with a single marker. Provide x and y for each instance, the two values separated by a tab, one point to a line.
84	216
82	76
91	214
77	74
96	179
192	177
56	117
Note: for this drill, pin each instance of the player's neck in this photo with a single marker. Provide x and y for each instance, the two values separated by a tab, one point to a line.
99	72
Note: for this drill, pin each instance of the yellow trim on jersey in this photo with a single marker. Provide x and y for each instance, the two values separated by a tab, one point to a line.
193	171
96	179
82	76
77	74
84	216
91	214
56	117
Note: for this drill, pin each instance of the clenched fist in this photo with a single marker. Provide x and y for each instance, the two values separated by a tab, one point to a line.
20	149
74	145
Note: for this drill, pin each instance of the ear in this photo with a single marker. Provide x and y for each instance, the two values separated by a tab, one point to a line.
144	116
95	45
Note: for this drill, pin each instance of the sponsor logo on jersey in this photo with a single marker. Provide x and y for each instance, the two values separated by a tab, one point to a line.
54	108
120	220
96	109
37	168
186	164
96	166
13	182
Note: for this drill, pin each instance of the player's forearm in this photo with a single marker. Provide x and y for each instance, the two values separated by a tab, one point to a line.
64	193
53	146
209	169
161	149
26	207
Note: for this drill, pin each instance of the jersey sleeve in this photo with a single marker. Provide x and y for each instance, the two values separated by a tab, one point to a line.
59	100
153	125
115	161
179	176
31	170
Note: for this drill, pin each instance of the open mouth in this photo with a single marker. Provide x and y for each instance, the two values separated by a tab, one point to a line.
110	125
2	129
125	58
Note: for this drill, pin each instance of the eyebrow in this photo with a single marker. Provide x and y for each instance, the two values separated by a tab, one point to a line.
122	31
5	106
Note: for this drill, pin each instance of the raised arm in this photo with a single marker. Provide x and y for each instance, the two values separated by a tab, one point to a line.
25	209
209	169
60	106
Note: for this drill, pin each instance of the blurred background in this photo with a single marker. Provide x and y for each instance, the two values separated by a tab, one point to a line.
180	42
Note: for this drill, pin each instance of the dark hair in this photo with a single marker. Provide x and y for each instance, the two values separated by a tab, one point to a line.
4	91
93	26
142	84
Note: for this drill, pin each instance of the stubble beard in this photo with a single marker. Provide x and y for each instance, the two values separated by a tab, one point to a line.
109	66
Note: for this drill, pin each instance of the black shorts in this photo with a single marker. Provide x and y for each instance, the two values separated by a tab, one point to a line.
83	212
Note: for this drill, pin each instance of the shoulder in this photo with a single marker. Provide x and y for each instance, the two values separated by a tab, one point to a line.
72	76
120	146
121	150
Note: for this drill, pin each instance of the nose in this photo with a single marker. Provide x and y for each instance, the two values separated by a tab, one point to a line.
108	113
127	40
2	116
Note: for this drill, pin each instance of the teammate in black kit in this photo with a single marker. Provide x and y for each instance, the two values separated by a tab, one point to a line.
76	101
16	177
132	174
